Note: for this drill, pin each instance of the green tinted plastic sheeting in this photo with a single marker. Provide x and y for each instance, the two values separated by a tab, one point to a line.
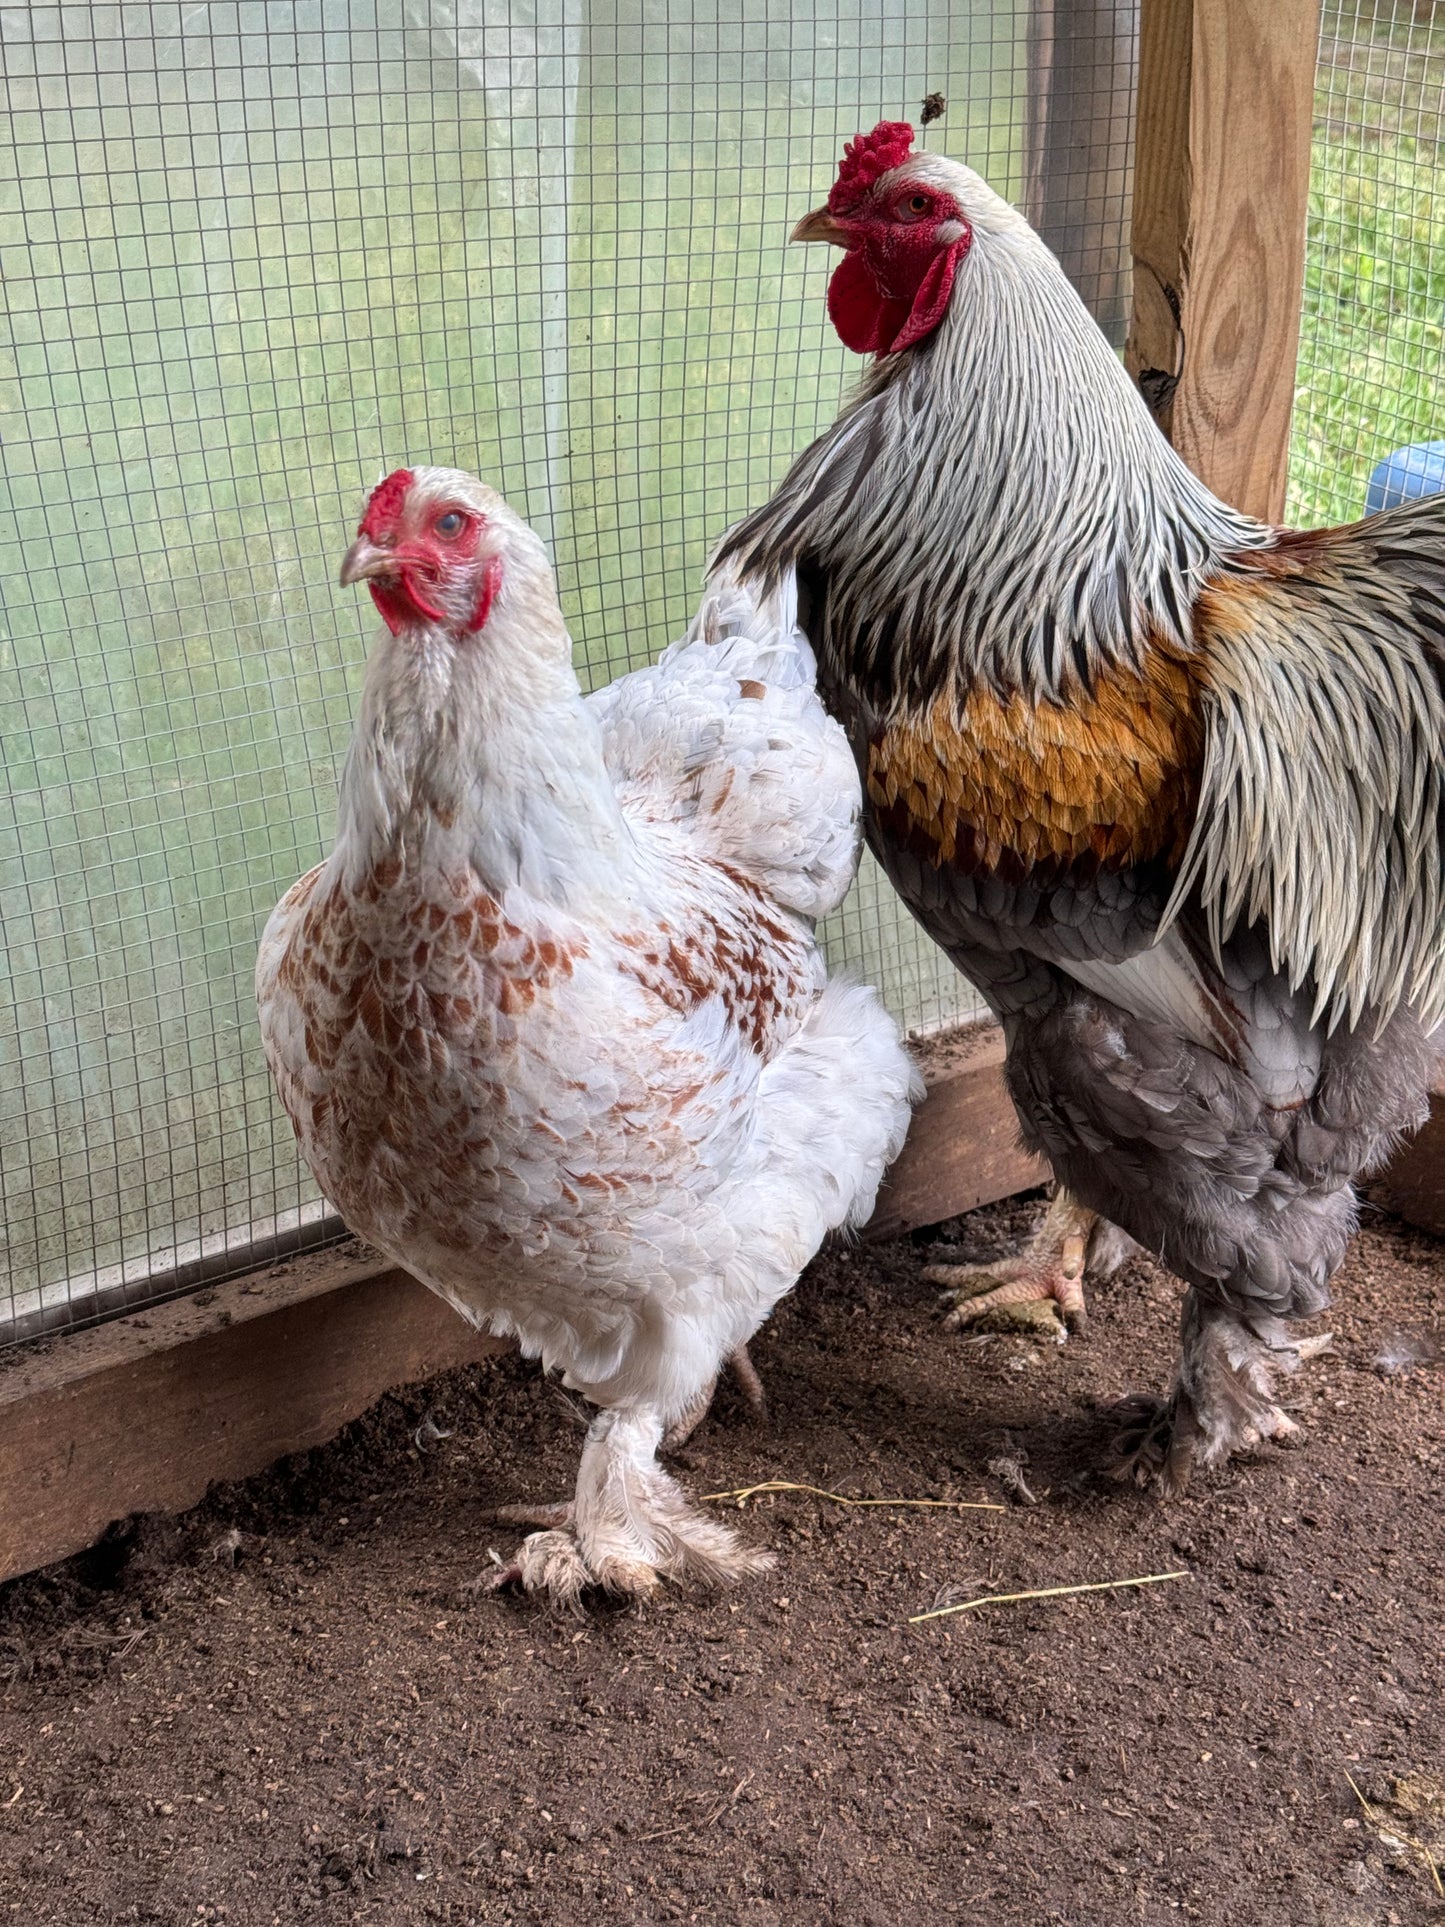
253	256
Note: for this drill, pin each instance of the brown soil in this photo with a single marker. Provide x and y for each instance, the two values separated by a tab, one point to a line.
287	1705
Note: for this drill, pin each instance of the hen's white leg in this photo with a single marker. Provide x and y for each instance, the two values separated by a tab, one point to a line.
1042	1290
630	1525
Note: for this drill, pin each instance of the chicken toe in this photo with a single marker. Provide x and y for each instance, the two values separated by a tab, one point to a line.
686	1423
629	1527
538	1513
751	1386
1223	1399
1041	1290
549	1564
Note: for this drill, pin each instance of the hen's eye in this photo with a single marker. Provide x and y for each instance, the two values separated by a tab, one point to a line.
450	524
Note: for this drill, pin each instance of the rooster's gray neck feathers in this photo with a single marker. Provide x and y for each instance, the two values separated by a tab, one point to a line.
996	504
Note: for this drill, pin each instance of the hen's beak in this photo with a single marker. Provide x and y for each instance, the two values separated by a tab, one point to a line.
820	225
366	562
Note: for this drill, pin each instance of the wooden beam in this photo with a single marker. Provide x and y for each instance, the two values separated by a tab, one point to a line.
143	1414
963	1149
1221	200
1413	1186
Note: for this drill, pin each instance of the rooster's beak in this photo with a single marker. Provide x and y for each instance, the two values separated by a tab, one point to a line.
365	562
820	225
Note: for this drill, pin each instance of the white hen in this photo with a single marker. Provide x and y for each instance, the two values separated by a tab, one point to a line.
550	1021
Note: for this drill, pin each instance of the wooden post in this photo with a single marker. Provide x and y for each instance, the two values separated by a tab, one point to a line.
140	1415
1077	146
1221	199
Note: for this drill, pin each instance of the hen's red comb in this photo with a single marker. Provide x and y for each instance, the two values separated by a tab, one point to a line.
865	159
383	508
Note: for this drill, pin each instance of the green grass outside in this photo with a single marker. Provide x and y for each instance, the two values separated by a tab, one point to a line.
1372	334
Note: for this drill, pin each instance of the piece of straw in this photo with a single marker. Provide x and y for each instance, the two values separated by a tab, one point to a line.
1385	1826
1046	1592
744	1492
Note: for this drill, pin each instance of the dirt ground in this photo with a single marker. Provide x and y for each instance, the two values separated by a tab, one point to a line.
288	1705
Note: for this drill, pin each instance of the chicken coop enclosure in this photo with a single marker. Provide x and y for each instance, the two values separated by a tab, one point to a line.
254	256
257	252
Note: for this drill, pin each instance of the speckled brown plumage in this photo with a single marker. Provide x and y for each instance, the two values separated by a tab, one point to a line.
551	1022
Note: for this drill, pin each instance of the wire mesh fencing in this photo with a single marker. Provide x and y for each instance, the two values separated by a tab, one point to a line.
1370	360
254	254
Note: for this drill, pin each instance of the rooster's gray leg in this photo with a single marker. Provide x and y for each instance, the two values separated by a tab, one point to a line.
1042	1290
1223	1398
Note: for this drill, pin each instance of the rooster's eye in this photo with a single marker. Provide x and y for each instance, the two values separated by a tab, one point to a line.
449	524
918	204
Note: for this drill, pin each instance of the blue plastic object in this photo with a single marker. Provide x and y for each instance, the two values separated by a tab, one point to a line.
1417	470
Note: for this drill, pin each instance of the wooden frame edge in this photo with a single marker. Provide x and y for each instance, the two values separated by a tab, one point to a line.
144	1413
963	1149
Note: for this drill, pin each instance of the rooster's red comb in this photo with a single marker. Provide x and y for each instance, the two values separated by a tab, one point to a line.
383	507
866	158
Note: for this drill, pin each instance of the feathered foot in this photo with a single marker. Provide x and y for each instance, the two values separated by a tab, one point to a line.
1042	1290
628	1528
1222	1402
751	1386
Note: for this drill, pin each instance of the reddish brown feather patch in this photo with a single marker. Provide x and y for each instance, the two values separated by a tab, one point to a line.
755	965
1023	791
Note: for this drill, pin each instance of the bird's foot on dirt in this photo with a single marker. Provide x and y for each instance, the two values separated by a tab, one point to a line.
1011	1294
1042	1290
1151	1446
535	1566
629	1527
686	1423
1223	1400
551	1565
1161	1440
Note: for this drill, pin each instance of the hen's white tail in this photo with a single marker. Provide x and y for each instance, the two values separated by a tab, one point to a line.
754	623
725	736
831	1136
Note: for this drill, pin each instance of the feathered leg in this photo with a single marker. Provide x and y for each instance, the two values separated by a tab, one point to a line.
628	1526
1041	1290
1223	1398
